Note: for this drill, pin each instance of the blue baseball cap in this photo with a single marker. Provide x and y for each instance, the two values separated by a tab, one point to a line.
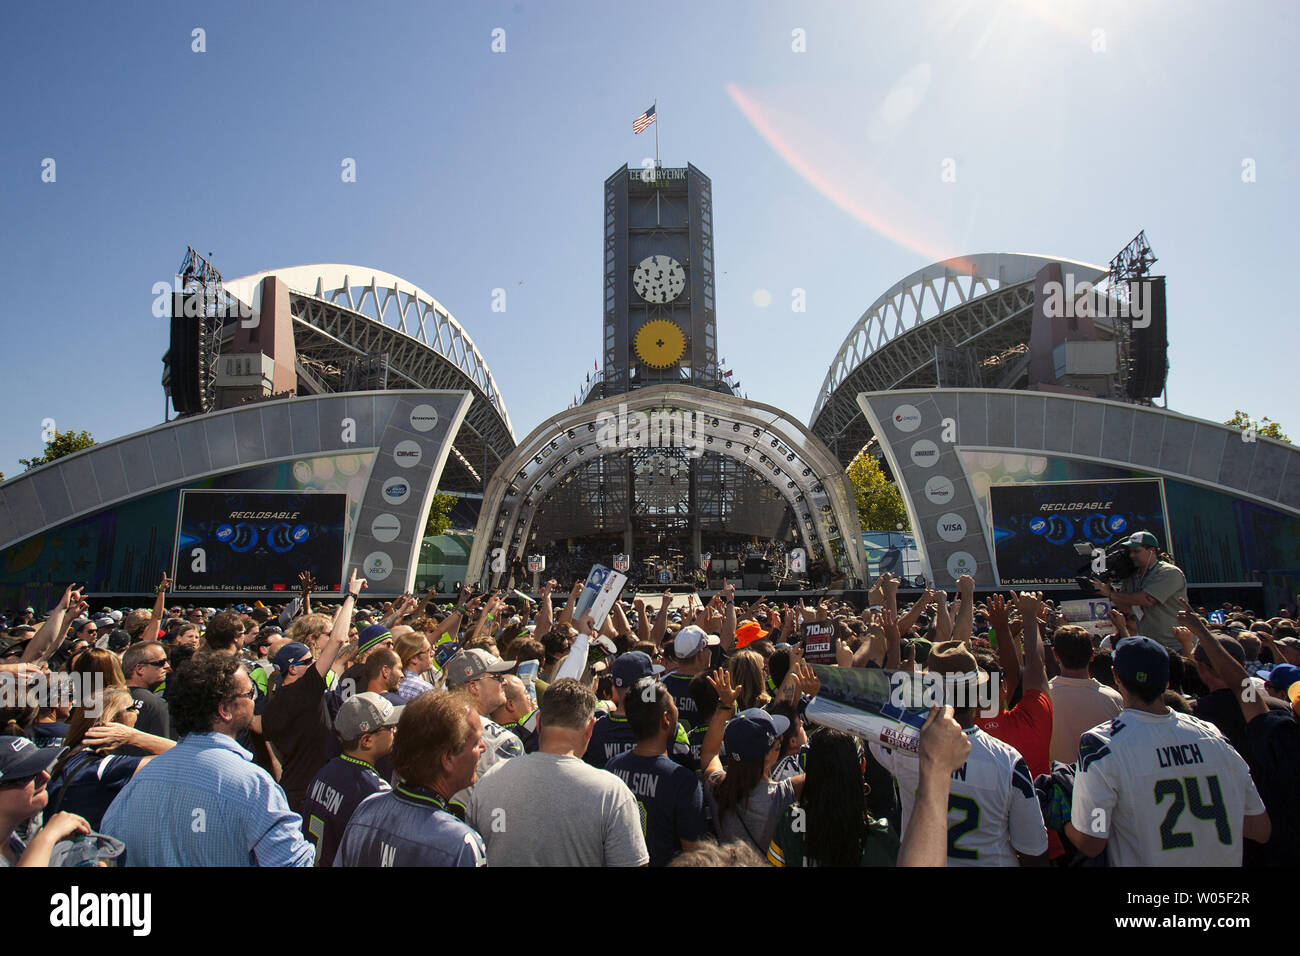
1140	660
371	637
1282	676
291	653
445	652
20	758
631	667
752	733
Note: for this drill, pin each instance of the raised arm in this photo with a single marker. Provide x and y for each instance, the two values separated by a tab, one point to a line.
566	615
1035	674
727	638
1223	664
545	613
661	620
1007	656
907	620
50	635
961	626
726	709
342	623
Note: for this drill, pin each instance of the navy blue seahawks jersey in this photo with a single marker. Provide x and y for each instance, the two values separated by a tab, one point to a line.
679	685
409	826
670	801
333	796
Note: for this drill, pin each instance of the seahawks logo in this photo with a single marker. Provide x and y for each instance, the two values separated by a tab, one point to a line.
1091	748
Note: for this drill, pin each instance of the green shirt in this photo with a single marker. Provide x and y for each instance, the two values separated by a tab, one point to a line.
1166	584
880	848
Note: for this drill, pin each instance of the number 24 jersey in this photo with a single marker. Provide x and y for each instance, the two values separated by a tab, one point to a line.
1164	790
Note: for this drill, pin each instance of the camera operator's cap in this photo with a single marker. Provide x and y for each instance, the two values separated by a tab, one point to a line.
371	637
20	758
365	713
472	664
1141	660
752	733
1283	676
292	653
1143	539
690	640
748	633
632	666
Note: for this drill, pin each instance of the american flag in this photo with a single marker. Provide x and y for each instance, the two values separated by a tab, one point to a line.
644	120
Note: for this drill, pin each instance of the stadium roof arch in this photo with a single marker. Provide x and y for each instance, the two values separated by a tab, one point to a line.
342	312
775	445
982	301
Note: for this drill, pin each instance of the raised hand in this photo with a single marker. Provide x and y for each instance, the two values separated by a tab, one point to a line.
720	681
1029	605
997	610
943	745
356	584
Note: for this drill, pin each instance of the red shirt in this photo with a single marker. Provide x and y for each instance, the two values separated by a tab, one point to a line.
1027	727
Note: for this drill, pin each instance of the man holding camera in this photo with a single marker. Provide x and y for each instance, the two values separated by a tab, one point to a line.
1153	591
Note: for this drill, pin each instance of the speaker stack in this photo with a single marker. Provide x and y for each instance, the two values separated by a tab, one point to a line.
1149	345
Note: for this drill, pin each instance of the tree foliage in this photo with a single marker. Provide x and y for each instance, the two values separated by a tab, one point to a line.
880	505
1262	427
439	515
63	443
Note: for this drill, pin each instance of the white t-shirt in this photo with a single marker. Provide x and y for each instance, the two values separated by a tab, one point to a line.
993	809
1164	790
1078	704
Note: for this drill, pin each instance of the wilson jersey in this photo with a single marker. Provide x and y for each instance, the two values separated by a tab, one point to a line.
1163	790
613	735
993	810
332	798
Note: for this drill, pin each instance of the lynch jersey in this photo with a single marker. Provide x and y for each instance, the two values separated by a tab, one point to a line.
331	799
993	810
1163	790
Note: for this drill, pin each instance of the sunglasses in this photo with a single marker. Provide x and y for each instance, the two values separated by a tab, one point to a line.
158	663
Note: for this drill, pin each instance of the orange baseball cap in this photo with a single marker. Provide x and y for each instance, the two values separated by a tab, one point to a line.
748	633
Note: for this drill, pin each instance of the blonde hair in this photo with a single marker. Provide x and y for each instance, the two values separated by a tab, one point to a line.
306	627
746	670
408	645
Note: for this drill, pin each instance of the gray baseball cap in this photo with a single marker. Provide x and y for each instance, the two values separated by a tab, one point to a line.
473	664
365	713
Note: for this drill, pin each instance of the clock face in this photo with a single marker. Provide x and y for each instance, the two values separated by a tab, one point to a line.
659	279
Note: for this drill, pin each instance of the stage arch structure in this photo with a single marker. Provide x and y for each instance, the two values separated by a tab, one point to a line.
788	457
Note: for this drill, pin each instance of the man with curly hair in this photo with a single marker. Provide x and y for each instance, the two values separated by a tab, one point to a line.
208	804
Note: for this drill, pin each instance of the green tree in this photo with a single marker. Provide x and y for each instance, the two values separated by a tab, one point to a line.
1262	427
439	515
63	443
880	506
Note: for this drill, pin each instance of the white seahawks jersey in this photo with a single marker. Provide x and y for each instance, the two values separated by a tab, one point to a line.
1163	790
993	810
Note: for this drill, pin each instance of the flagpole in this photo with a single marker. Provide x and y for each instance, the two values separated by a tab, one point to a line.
656	109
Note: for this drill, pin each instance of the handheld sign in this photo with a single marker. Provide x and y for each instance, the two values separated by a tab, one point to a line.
1217	617
598	595
576	662
819	642
1091	614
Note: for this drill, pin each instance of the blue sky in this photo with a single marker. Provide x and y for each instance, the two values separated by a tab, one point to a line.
1071	126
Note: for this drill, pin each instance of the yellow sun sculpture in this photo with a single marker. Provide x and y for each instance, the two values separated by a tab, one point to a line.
660	343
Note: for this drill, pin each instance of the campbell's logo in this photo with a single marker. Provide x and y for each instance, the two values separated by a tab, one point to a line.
907	418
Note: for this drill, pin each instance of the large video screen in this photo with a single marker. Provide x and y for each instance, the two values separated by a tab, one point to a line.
1035	526
253	541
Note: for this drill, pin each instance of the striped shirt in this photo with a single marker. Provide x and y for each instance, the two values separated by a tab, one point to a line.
205	803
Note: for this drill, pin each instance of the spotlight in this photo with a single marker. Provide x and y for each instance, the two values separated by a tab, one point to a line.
736	427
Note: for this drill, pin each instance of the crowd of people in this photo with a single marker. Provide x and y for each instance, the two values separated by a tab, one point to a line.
501	731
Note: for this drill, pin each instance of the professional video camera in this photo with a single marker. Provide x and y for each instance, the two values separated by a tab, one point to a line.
1119	565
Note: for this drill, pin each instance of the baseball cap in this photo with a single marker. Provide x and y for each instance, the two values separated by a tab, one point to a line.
365	713
1140	660
20	758
1143	539
472	664
632	666
1282	676
103	621
116	616
445	652
752	733
291	653
748	633
690	640
371	637
118	641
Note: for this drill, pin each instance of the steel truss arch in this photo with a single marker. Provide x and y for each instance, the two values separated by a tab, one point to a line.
788	456
985	299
